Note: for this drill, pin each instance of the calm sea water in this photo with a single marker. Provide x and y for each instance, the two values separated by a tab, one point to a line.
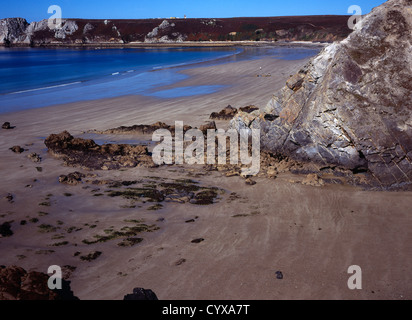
33	77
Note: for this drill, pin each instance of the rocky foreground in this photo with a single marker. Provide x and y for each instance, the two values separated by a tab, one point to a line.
350	107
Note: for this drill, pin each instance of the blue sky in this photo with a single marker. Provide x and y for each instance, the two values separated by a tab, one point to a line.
35	10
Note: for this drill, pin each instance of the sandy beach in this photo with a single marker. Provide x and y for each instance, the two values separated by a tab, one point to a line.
310	234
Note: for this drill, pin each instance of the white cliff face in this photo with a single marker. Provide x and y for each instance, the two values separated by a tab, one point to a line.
37	26
69	27
161	33
12	30
18	31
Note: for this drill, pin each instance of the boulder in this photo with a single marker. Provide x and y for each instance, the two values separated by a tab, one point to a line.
17	149
34	157
248	109
5	230
226	114
141	294
351	106
18	284
6	126
209	126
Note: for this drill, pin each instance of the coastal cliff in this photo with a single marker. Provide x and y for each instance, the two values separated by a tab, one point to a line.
350	107
18	32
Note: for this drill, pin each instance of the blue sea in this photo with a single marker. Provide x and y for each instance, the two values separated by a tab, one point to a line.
37	77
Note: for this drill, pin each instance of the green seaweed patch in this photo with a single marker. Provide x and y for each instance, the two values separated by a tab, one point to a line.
44	252
182	187
45	204
205	197
125	232
42	213
186	181
153	195
133	221
130	242
59	244
119	184
132	206
46	228
241	215
91	256
155	207
73	228
67	194
57	237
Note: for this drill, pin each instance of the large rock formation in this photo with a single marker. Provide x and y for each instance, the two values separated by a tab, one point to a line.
351	106
85	153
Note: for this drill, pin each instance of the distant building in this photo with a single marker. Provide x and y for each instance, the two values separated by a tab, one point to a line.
185	16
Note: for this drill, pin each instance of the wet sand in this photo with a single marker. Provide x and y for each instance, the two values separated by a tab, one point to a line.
311	234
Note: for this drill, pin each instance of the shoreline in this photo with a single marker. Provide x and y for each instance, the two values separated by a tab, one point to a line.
233	57
309	44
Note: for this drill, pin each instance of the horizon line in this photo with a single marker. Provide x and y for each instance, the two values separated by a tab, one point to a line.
182	18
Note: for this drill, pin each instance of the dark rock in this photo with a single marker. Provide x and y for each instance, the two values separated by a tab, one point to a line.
87	154
17	149
180	262
205	197
141	294
250	182
9	197
279	275
209	126
5	230
226	114
72	178
34	157
199	240
18	284
7	126
249	109
91	256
